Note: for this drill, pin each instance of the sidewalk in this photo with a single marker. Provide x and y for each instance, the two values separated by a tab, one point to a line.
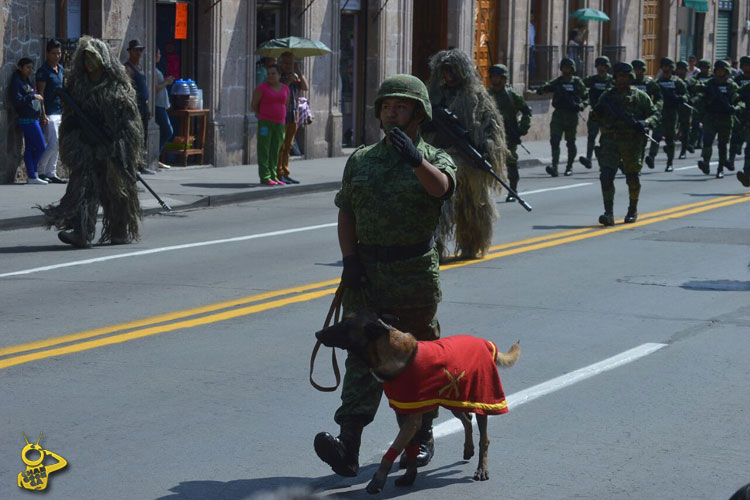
204	186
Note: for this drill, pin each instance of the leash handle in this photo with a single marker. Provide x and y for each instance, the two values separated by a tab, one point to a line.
334	312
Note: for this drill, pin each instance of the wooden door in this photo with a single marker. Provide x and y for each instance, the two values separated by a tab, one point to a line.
430	34
485	38
651	39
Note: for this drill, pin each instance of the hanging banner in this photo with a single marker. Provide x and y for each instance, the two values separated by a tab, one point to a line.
181	21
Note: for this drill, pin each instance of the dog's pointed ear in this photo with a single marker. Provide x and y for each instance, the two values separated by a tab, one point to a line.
389	319
375	329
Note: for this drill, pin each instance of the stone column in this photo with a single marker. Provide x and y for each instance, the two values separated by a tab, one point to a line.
210	72
149	65
461	25
251	121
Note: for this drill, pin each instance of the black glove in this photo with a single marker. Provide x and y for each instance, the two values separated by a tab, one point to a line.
353	275
405	147
642	126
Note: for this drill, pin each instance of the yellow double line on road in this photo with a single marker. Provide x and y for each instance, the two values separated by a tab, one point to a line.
188	318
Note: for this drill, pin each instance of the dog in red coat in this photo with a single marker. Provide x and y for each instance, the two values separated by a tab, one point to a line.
458	373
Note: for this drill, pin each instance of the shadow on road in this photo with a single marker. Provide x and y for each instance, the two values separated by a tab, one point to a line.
717	285
35	248
223	185
562	227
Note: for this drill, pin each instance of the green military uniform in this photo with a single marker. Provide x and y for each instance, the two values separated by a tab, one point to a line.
596	86
624	117
674	95
695	86
741	128
649	86
744	95
684	114
510	103
569	99
719	101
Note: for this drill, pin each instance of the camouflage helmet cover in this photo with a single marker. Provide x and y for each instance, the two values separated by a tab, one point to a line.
638	64
566	61
667	61
682	64
744	60
404	87
499	69
704	63
623	67
721	64
602	61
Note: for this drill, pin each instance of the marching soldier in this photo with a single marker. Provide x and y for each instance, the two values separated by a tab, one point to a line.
744	175
648	85
569	99
510	103
741	128
696	130
720	101
624	113
684	112
674	97
596	85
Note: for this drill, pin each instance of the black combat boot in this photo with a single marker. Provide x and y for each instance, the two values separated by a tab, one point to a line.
730	163
632	215
569	170
342	452
650	161
720	173
552	170
586	162
669	167
703	165
426	449
607	219
743	178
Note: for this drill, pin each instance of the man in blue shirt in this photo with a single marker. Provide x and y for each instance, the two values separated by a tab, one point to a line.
49	77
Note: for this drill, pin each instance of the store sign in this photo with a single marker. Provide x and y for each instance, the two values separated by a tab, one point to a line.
181	21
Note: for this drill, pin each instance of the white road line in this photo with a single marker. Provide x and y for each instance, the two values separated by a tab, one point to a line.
453	425
569	186
712	164
166	249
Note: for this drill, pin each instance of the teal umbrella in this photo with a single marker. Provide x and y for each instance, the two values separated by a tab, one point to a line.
590	15
300	47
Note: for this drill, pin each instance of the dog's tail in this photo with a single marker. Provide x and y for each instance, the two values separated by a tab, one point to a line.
508	359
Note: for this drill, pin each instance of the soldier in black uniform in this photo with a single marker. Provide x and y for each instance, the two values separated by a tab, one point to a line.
596	84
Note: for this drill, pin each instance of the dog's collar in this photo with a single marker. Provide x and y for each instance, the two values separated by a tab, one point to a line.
387	378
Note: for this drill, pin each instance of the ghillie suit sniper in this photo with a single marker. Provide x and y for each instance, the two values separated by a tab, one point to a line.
467	217
98	83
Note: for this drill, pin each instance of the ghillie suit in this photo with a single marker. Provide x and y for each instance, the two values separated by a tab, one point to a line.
468	216
95	177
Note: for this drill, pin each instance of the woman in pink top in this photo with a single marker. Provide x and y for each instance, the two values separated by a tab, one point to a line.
269	104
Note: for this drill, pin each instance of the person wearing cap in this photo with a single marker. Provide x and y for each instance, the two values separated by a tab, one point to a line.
684	113
510	103
740	131
699	80
596	85
721	102
569	99
625	113
674	94
138	76
389	205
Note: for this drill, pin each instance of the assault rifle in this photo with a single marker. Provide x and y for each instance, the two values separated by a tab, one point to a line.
103	138
447	122
628	118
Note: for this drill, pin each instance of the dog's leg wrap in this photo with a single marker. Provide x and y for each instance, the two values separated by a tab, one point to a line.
412	450
391	455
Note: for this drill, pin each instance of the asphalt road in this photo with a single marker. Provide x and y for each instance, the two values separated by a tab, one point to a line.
177	368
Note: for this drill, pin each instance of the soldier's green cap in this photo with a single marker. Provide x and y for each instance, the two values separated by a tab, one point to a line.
404	87
682	64
499	69
667	61
623	67
602	61
704	63
638	64
744	60
721	64
566	61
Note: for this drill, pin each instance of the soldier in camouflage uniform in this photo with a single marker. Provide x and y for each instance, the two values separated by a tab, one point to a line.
389	206
510	103
596	84
684	112
674	94
648	85
624	113
569	99
740	130
719	100
696	130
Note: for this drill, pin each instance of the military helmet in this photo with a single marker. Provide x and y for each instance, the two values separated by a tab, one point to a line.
404	87
638	64
602	61
721	64
704	63
566	61
744	60
682	64
499	69
667	61
623	67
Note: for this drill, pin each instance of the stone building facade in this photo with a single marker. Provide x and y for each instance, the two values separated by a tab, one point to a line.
369	39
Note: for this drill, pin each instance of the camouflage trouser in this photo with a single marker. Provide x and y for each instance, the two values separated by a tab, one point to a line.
739	132
716	124
696	130
360	392
563	122
684	114
746	165
666	129
593	128
512	163
620	152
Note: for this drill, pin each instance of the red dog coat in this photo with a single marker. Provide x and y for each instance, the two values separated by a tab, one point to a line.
458	373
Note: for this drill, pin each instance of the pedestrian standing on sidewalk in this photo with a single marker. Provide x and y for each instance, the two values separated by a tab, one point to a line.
291	75
29	105
138	76
49	78
161	105
389	206
269	103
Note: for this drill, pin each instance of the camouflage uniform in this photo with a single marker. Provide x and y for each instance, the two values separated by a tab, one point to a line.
621	142
649	86
674	95
684	114
742	128
596	86
696	130
720	103
510	102
569	99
